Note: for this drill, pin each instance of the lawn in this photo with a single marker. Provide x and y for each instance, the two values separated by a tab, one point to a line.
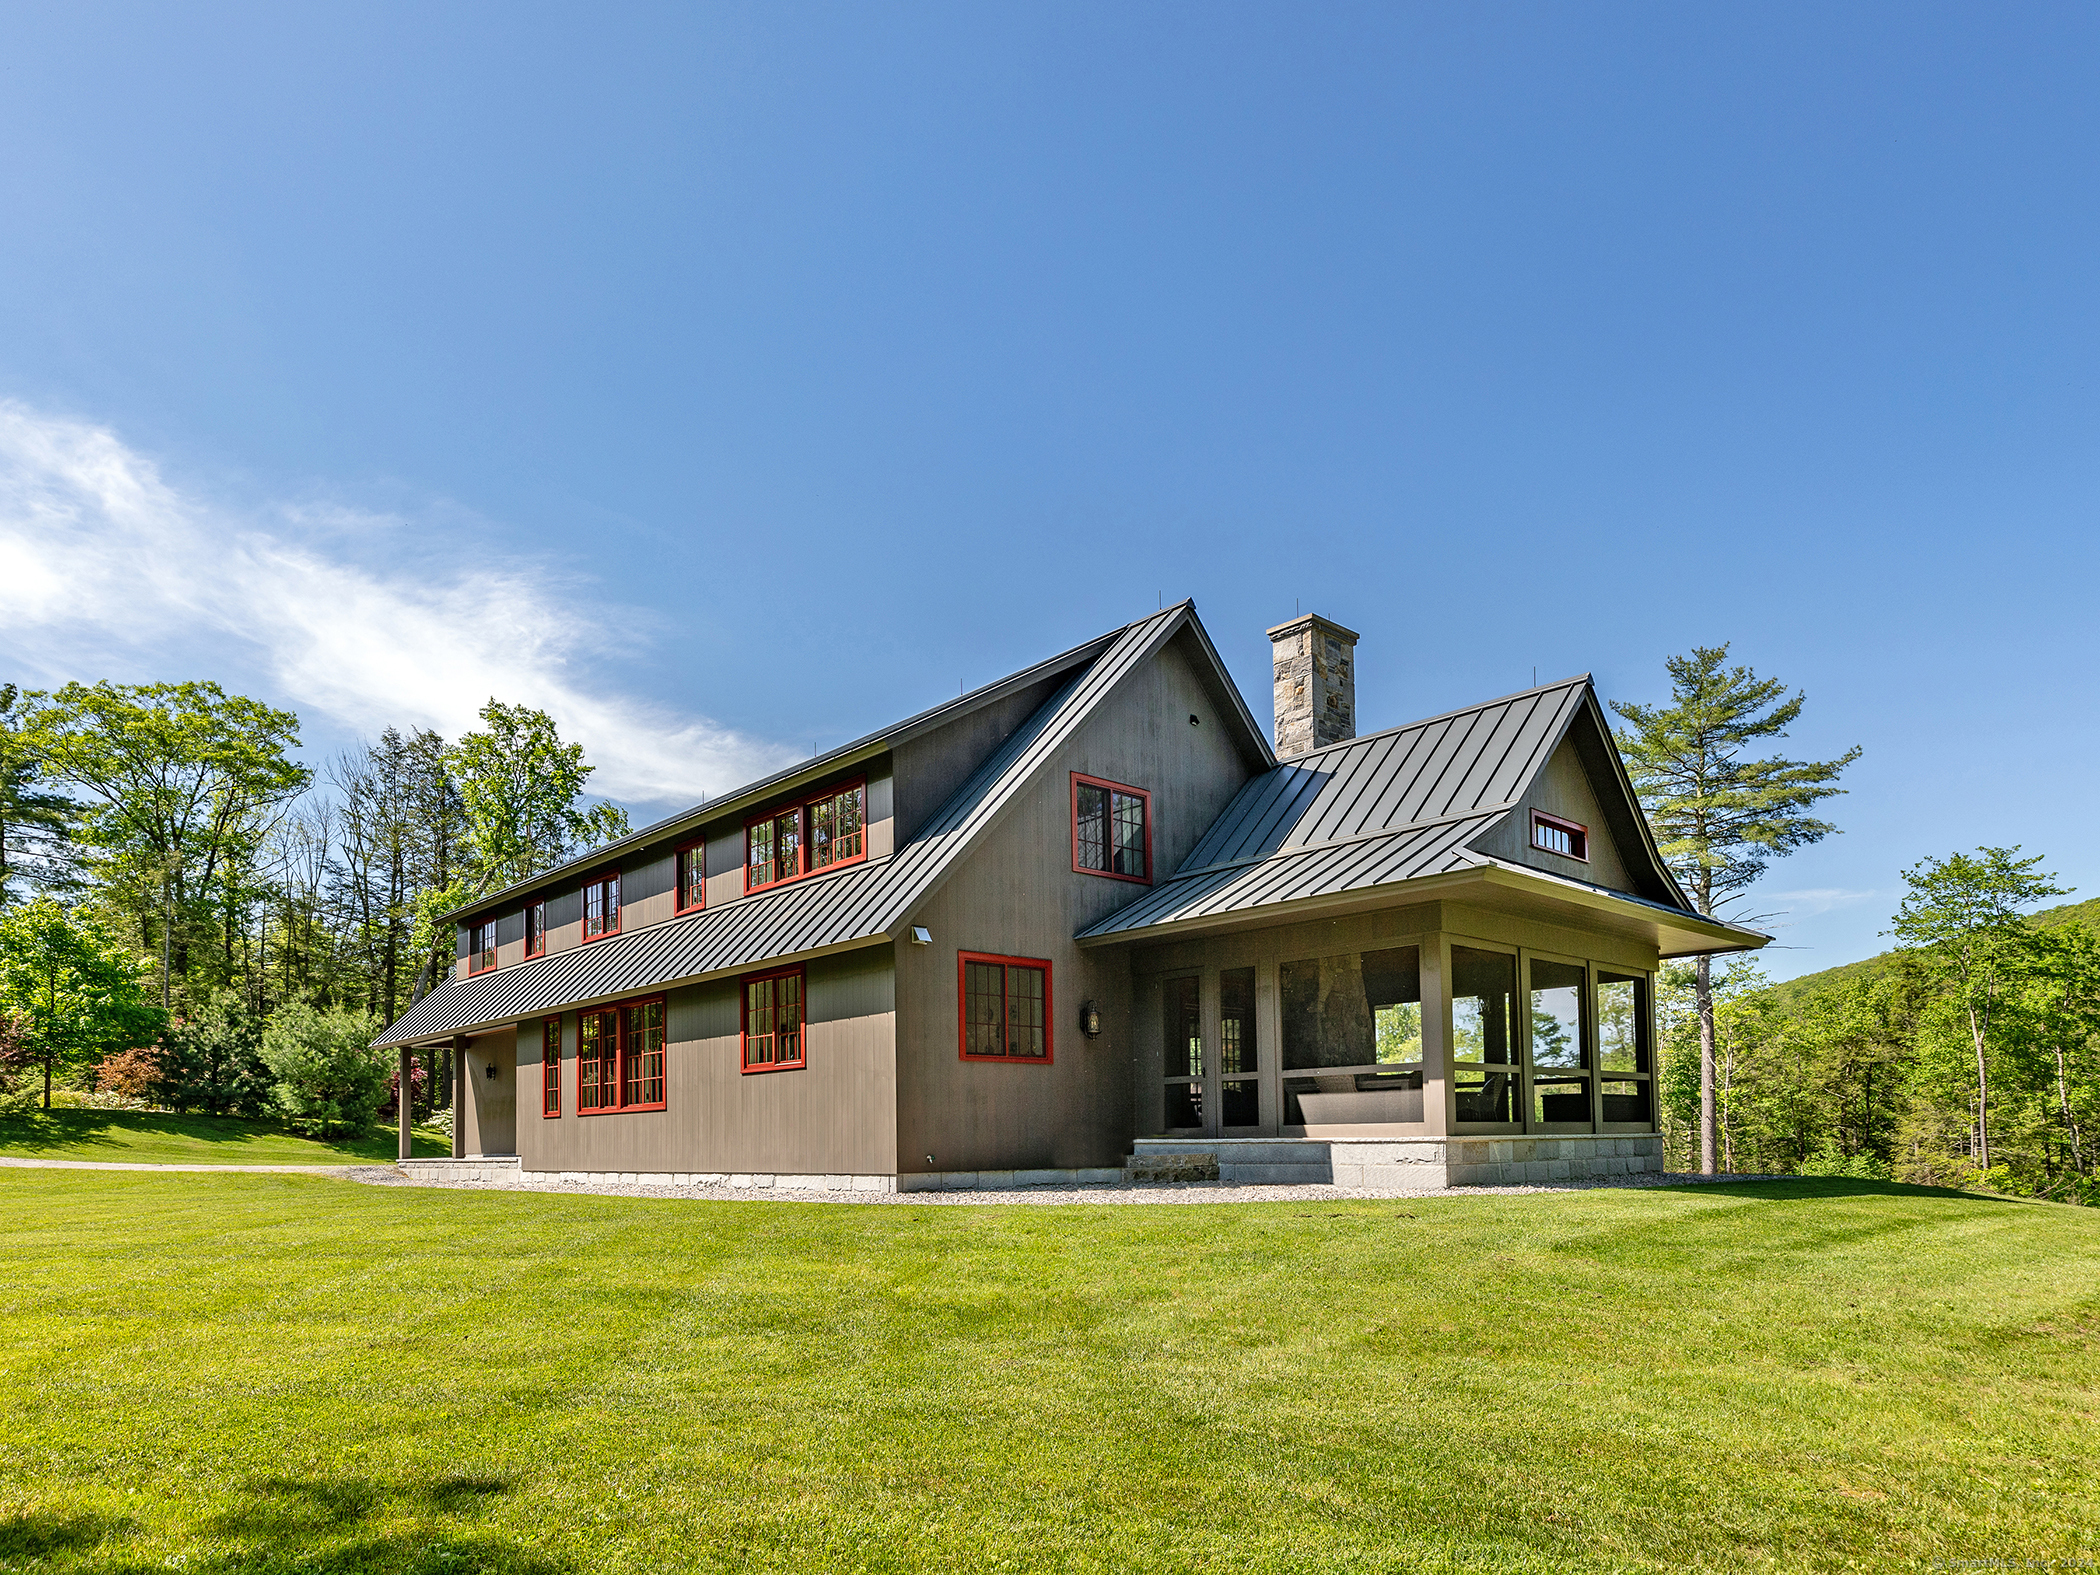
219	1373
146	1137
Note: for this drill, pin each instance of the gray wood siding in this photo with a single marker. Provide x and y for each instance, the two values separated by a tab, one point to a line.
1563	789
486	1110
834	1117
931	767
1018	895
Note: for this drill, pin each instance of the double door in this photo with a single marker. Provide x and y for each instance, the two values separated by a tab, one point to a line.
1216	1060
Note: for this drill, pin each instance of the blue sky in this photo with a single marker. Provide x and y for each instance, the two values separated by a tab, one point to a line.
732	380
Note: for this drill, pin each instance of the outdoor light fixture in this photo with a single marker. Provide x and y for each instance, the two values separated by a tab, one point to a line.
1090	1020
1195	720
921	936
492	1069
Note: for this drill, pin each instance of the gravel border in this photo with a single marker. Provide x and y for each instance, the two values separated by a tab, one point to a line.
1123	1192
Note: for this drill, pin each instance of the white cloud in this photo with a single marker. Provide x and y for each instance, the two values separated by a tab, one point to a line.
1808	902
98	551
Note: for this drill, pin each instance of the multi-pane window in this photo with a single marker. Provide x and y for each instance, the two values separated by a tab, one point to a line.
1005	1008
535	929
1551	834
550	1067
1111	834
481	946
817	834
773	1022
620	1057
601	907
642	1053
692	877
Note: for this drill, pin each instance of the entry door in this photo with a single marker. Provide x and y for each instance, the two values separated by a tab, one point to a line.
1212	1091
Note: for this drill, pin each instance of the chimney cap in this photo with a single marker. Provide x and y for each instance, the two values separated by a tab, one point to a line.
1299	622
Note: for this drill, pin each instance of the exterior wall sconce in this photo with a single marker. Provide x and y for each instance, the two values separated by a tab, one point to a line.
492	1069
1090	1020
921	936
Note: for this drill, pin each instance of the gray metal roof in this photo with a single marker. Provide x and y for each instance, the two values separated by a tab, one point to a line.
864	903
1395	806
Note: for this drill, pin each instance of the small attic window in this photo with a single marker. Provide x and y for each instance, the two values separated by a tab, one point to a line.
1551	834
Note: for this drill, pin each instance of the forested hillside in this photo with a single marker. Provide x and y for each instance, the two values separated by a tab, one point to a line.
1875	1068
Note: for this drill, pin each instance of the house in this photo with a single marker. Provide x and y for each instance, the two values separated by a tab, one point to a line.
1090	917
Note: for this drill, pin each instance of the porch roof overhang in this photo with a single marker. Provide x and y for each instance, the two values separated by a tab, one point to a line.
1485	883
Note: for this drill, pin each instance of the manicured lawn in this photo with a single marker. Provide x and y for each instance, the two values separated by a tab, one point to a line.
220	1373
151	1138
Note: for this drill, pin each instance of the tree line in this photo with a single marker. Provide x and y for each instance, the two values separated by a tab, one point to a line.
190	912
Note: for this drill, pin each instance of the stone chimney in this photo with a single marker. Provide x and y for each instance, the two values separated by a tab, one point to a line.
1315	684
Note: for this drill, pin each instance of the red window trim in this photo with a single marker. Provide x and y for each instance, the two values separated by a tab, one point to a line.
962	1005
550	1071
697	846
1079	778
1574	828
743	1019
539	907
584	918
494	951
800	807
619	1010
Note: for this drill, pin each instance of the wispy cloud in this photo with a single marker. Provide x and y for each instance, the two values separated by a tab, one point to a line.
98	551
1808	902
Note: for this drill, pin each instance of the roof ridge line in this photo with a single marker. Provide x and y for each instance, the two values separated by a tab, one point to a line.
1441	716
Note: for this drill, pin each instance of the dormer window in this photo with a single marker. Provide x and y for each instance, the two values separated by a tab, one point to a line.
535	929
1551	834
481	947
692	878
601	907
818	834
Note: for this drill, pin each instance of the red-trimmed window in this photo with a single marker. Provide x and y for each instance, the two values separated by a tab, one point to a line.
535	929
774	1029
1111	829
601	907
1005	1007
620	1057
550	1067
817	834
481	947
692	878
1551	834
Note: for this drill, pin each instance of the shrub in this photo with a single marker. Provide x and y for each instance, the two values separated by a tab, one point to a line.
1827	1161
129	1074
214	1062
328	1077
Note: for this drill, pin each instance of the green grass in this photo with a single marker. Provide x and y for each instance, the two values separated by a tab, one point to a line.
221	1373
144	1137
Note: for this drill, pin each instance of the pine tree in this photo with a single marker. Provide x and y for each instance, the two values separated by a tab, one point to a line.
1721	818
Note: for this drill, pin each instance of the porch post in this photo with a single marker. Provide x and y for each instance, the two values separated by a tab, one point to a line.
404	1114
458	1061
1436	1035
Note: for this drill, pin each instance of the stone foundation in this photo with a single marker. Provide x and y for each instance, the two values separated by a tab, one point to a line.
1424	1164
508	1168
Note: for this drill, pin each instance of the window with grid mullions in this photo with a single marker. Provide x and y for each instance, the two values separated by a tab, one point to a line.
1111	829
620	1057
1005	1008
550	1067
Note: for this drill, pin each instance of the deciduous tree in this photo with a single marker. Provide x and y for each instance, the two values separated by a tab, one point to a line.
76	992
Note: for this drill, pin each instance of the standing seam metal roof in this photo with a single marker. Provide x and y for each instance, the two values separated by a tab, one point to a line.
862	904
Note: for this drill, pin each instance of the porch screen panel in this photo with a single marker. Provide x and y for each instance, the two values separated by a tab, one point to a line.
1238	1052
1182	1001
1356	1009
643	1062
1624	1059
1483	1038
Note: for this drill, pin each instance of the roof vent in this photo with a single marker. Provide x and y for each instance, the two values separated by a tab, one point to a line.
1315	684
